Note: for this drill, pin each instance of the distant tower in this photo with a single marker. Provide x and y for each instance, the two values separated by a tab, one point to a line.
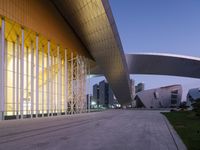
103	95
96	94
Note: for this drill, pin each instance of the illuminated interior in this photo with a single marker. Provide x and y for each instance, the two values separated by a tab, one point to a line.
41	78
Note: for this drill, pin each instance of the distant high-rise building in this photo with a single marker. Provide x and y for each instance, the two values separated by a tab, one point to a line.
103	95
96	93
89	101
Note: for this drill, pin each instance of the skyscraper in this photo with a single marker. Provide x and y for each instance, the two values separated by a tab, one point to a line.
103	95
96	93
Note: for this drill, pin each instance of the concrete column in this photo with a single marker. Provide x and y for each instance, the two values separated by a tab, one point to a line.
14	86
17	84
72	81
32	79
58	81
80	83
48	78
22	76
77	84
42	81
52	84
2	53
37	77
47	85
66	83
5	76
27	67
53	76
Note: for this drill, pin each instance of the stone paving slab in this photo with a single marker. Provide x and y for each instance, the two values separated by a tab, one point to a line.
107	130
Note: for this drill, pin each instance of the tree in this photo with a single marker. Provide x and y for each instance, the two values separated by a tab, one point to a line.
196	107
183	105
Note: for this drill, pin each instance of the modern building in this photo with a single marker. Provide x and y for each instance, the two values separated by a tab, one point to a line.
193	95
89	101
103	93
163	97
105	96
96	93
49	47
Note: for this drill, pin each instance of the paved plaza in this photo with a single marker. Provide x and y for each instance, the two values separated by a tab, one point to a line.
107	130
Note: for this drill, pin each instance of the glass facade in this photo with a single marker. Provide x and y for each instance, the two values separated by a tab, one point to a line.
39	77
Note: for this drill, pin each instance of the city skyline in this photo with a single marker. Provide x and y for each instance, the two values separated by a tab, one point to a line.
159	26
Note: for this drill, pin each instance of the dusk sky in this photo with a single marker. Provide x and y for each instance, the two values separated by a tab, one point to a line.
163	26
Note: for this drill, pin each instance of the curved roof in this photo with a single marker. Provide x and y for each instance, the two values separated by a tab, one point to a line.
160	64
93	23
163	64
159	97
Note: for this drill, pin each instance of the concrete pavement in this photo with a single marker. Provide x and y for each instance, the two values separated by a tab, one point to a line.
107	130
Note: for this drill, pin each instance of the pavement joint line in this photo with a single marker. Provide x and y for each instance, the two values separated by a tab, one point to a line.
47	131
64	126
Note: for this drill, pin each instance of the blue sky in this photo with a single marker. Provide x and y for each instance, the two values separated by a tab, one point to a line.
164	26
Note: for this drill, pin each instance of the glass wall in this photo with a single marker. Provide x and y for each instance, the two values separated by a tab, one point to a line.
40	77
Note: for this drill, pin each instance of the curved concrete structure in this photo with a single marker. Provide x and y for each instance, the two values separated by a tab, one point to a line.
94	24
162	97
160	64
87	28
163	64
